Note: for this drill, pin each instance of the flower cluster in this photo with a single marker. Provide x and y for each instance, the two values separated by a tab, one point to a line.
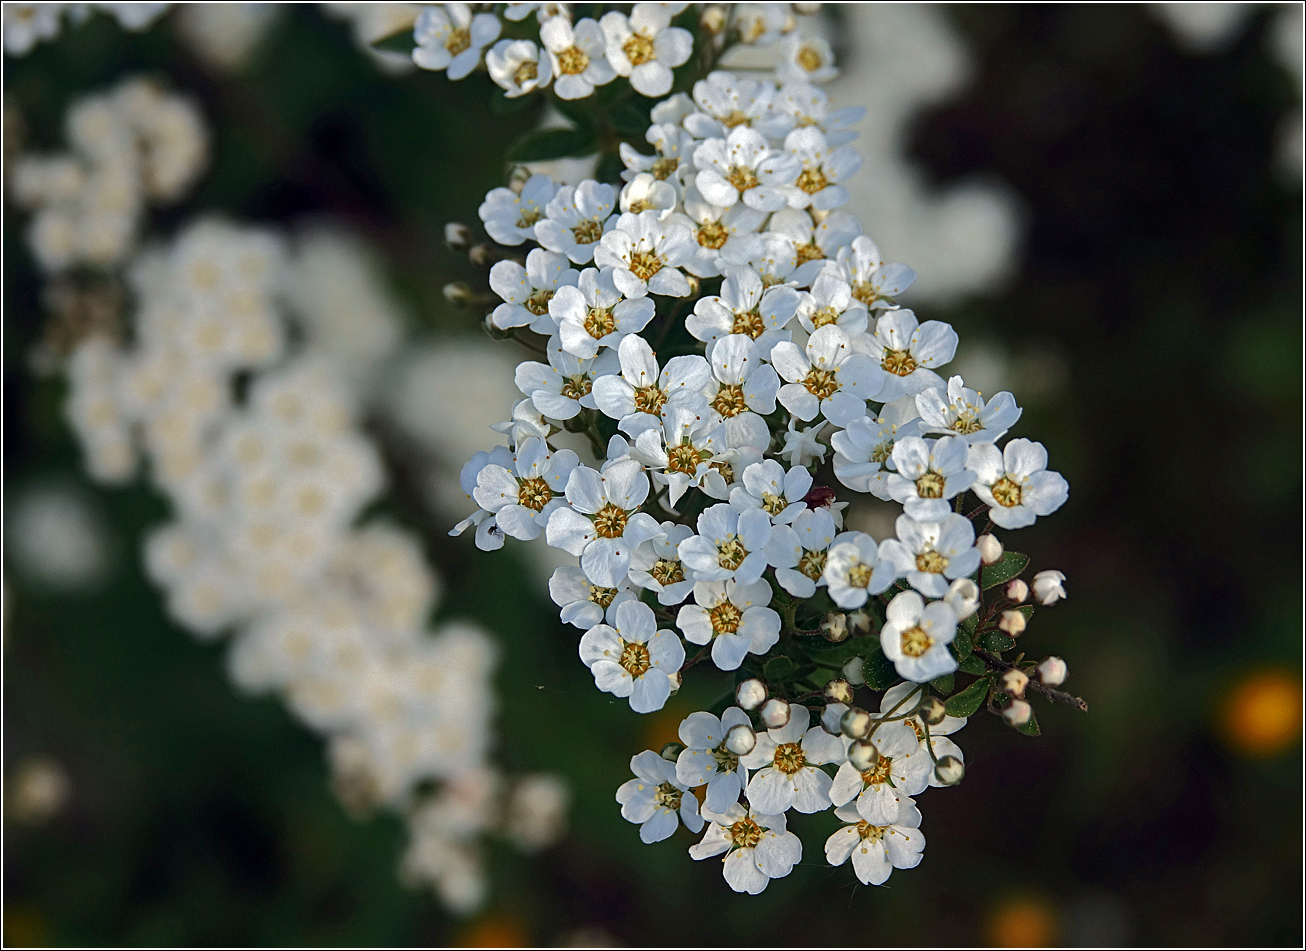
731	347
27	24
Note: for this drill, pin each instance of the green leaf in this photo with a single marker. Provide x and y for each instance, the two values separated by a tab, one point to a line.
579	116
1029	728
401	42
961	645
971	664
968	625
609	169
966	702
879	671
943	684
630	121
552	144
501	105
1012	564
996	641
778	668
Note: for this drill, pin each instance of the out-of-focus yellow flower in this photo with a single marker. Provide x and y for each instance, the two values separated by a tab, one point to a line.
1261	715
496	931
1023	922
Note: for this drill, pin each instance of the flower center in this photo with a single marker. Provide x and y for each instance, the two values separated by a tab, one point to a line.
640	204
650	399
897	362
726	469
576	386
572	61
526	72
812	180
859	575
822	383
602	596
731	554
459	40
878	774
528	217
809	252
634	659
725	618
967	422
729	400
749	322
745	834
726	761
864	292
684	458
538	303
638	49
773	504
668	796
644	264
931	561
712	235
1005	492
743	178
882	452
916	642
809	59
789	758
610	521
666	572
737	117
599	322
812	564
534	494
868	831
588	231
664	167
824	316
930	485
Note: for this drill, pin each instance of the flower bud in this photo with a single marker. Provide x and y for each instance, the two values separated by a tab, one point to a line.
775	713
519	177
839	691
1012	623
806	9
675	682
862	755
457	235
741	739
750	694
694	285
832	717
482	255
1013	682
949	771
859	623
932	711
713	19
1016	591
963	597
989	548
835	627
856	723
672	751
1049	587
1052	671
852	671
1017	713
458	292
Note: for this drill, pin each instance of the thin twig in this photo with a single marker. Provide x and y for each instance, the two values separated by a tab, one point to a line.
1057	696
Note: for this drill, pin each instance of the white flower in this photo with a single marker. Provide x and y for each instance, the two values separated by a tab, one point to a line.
656	800
745	306
1016	482
510	216
916	636
656	566
963	412
583	603
815	245
930	554
526	422
930	472
815	531
728	102
786	761
877	850
854	571
672	149
774	257
448	37
632	658
830	301
743	168
528	291
1049	587
892	704
742	386
863	452
830	379
778	493
874	283
732	617
560	388
822	170
805	59
489	537
809	105
646	47
705	758
26	24
729	545
593	314
907	351
516	66
761	24
602	526
643	192
641	395
579	55
644	252
719	232
575	219
801	446
758	847
679	452
524	501
903	769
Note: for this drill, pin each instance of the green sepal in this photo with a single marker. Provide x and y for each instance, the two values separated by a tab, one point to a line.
967	701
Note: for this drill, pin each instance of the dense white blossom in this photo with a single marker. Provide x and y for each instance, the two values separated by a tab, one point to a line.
632	657
656	799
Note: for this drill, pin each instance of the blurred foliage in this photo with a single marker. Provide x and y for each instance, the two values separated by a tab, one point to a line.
1162	276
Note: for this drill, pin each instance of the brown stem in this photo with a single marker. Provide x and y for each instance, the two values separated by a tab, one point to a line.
1057	696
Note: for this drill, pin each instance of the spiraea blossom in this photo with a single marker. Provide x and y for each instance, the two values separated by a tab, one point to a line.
735	355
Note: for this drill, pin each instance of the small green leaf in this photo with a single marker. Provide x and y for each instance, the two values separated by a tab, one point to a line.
943	684
552	144
1030	727
630	121
1012	564
966	702
575	112
971	664
996	641
609	168
778	668
879	671
961	645
401	42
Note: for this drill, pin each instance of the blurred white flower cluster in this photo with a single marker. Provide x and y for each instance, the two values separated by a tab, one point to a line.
716	326
134	146
27	24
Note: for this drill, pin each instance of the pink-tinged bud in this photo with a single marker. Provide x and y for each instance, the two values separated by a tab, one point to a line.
457	235
741	739
1049	587
1013	682
932	711
832	717
990	549
852	671
1017	713
750	694
856	724
839	691
1016	591
1052	671
862	755
963	597
1012	623
949	771
775	713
